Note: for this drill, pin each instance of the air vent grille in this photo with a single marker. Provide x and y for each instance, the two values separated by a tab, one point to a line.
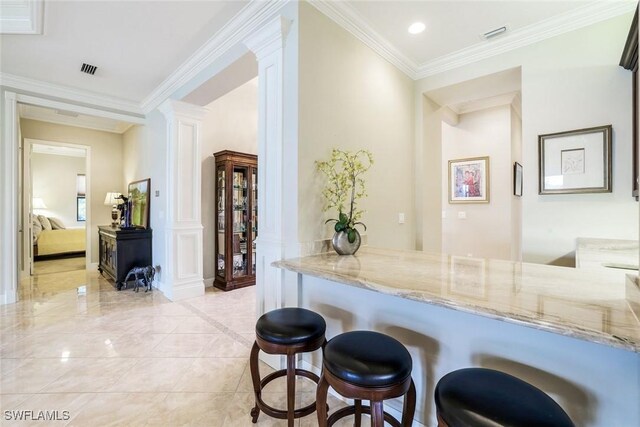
88	69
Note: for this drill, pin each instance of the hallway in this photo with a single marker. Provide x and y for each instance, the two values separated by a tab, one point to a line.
73	343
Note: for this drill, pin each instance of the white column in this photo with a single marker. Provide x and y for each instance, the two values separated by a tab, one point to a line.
268	46
182	275
9	202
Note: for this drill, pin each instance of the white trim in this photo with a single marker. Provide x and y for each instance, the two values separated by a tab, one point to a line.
69	93
92	266
62	105
484	103
208	283
30	22
245	23
348	18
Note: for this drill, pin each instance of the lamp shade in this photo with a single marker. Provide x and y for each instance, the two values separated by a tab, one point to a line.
38	203
112	199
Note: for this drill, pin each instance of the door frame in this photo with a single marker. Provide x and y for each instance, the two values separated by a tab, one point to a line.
28	179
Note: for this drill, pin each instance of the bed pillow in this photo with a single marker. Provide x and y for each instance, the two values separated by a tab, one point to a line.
46	225
56	224
37	228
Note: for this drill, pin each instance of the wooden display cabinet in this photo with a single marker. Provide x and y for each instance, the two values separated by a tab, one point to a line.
236	222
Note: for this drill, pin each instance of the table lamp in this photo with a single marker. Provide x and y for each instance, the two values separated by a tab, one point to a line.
112	199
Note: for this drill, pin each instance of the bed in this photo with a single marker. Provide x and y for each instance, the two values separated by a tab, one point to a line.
56	242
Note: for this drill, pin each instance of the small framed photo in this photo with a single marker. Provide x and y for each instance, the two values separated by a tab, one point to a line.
577	161
517	179
469	180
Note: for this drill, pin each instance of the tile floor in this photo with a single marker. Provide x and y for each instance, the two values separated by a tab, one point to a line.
73	343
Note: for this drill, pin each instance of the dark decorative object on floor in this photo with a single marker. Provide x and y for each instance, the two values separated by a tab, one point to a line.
142	275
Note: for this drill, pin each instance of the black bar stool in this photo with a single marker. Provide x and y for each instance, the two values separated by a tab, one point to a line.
479	397
364	365
286	331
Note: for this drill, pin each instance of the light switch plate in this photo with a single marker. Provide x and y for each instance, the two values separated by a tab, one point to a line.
401	218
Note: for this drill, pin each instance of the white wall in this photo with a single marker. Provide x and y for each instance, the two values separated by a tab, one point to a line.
105	165
353	99
486	231
230	124
54	180
144	156
571	81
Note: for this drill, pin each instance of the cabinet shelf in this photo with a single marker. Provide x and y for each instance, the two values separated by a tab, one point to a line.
236	180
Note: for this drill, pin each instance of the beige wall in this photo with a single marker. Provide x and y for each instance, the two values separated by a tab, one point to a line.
54	179
486	230
105	173
351	98
230	124
571	81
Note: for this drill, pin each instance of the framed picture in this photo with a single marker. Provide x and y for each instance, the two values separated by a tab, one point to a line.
139	199
517	179
469	180
577	161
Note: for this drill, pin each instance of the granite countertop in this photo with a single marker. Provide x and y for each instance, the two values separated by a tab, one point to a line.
598	306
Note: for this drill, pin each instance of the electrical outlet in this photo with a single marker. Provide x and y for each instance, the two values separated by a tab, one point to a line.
157	193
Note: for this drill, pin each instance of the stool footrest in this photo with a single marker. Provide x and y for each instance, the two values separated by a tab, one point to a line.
351	410
280	413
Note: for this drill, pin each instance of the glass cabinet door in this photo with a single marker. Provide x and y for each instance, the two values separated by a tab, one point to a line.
254	217
221	200
240	221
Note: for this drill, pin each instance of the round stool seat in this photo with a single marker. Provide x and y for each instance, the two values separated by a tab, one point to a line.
288	326
482	397
367	359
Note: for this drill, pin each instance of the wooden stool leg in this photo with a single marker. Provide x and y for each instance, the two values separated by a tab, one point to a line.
377	414
255	378
409	408
291	388
321	401
358	412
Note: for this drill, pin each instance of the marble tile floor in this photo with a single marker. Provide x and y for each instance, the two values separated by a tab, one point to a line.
73	343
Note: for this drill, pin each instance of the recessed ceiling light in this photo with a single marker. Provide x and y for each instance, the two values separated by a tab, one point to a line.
416	28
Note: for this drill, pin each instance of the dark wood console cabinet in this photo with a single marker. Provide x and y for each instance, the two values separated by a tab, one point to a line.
121	250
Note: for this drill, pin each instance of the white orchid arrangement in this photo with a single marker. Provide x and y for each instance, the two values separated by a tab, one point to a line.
345	184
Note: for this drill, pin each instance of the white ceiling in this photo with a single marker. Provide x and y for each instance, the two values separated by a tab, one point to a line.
452	25
69	118
134	44
145	50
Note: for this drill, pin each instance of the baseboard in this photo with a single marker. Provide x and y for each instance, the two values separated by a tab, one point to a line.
92	266
208	283
182	291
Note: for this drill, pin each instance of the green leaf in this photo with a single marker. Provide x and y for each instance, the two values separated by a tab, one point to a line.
362	224
329	220
340	226
352	235
343	217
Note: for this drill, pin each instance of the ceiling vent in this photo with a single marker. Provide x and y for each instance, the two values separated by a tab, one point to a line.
88	69
495	32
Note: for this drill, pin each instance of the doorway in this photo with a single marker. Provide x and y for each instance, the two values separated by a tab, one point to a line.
57	204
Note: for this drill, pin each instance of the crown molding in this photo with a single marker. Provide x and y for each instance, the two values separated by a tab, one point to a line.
241	26
560	24
349	19
23	17
67	93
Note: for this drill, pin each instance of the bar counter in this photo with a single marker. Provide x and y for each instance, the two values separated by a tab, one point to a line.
595	306
573	333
